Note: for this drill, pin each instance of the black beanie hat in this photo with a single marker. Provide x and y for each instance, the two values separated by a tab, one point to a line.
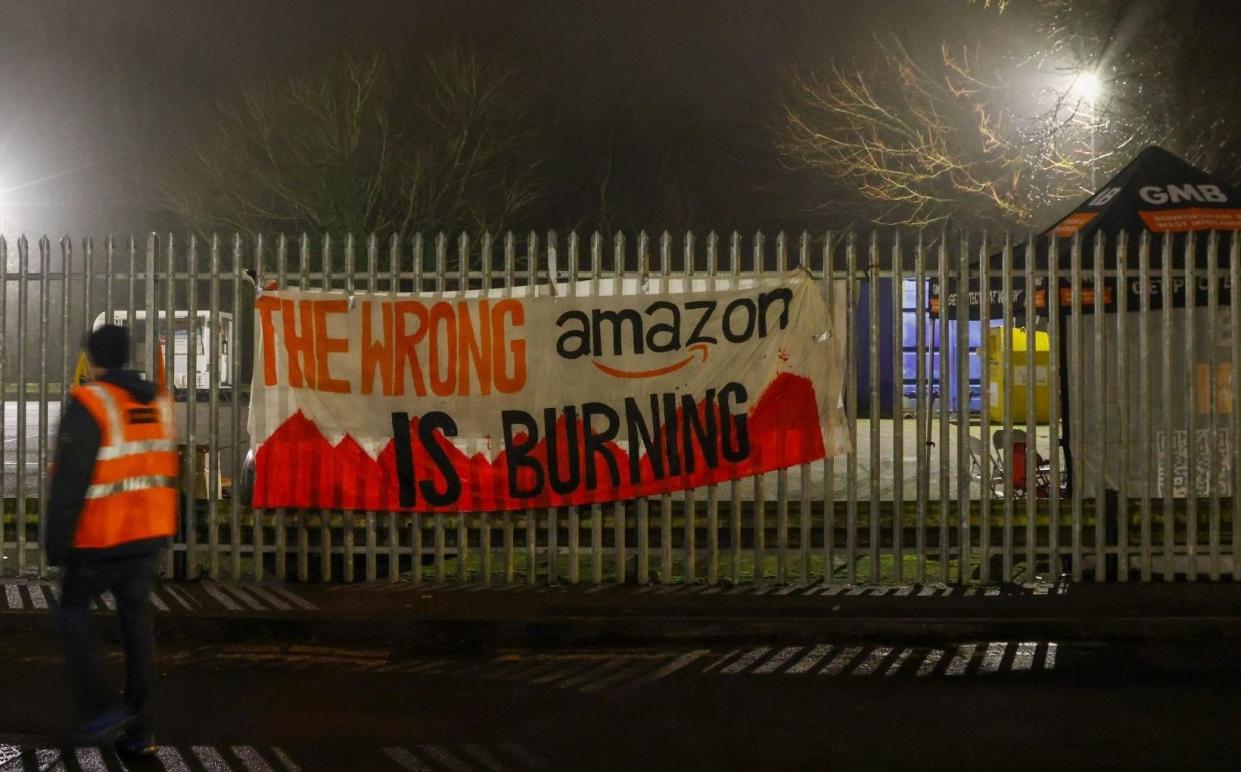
108	347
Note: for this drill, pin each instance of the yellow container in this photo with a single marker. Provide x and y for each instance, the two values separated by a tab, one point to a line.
1016	391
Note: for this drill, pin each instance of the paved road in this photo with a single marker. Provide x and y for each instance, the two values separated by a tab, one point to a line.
777	705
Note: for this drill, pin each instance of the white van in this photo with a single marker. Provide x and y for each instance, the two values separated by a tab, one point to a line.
177	365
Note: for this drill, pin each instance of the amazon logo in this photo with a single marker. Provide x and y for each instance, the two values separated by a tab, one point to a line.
674	335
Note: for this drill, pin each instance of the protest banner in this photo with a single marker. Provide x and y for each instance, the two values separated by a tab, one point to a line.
489	401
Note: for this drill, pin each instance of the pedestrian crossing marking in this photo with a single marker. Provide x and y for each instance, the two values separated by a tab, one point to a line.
746	660
842	660
873	661
777	661
929	662
992	658
807	663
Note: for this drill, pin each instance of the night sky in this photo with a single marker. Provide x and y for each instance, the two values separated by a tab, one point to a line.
97	96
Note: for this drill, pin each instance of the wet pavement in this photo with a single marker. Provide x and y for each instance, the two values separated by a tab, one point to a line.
777	705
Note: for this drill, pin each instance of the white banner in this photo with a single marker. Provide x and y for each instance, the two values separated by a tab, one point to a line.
484	402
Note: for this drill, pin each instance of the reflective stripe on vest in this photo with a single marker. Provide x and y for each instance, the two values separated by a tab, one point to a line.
145	482
132	494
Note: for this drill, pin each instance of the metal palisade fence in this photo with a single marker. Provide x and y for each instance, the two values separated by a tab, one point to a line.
1005	426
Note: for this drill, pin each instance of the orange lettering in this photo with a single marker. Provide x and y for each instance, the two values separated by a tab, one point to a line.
443	378
406	346
299	344
476	351
265	306
505	383
376	352
325	345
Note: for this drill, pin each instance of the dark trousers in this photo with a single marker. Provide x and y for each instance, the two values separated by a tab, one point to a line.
129	581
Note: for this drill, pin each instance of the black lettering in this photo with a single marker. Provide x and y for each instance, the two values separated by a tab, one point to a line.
696	336
748	330
671	329
142	415
570	483
617	319
670	433
765	301
518	456
692	426
637	430
403	445
736	393
427	426
582	336
595	442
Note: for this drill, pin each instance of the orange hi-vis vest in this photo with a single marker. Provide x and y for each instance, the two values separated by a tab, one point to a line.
133	488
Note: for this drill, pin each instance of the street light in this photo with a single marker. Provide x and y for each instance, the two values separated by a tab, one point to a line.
1088	87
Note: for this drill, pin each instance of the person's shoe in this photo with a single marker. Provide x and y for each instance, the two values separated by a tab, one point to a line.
136	746
103	728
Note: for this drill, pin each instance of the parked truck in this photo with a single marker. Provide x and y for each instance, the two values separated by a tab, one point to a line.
185	331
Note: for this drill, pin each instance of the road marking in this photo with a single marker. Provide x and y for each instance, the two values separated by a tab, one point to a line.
171	759
873	661
929	662
158	602
523	670
807	663
289	764
246	598
614	678
994	656
295	598
108	600
959	663
179	598
251	758
1023	659
522	755
1049	659
210	758
480	754
581	678
407	760
677	664
855	591
444	758
13	596
8	753
568	669
898	662
746	660
275	602
36	596
90	760
776	662
224	600
719	661
842	660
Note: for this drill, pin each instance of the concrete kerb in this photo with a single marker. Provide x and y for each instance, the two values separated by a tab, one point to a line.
425	618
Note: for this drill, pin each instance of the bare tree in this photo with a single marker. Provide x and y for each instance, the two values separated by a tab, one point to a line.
929	137
366	143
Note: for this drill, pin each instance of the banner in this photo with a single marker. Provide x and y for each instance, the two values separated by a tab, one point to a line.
487	401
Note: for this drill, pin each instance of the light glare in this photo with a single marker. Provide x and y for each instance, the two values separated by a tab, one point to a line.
1088	86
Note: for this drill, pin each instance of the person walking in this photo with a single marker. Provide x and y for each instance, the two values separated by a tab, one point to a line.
112	508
